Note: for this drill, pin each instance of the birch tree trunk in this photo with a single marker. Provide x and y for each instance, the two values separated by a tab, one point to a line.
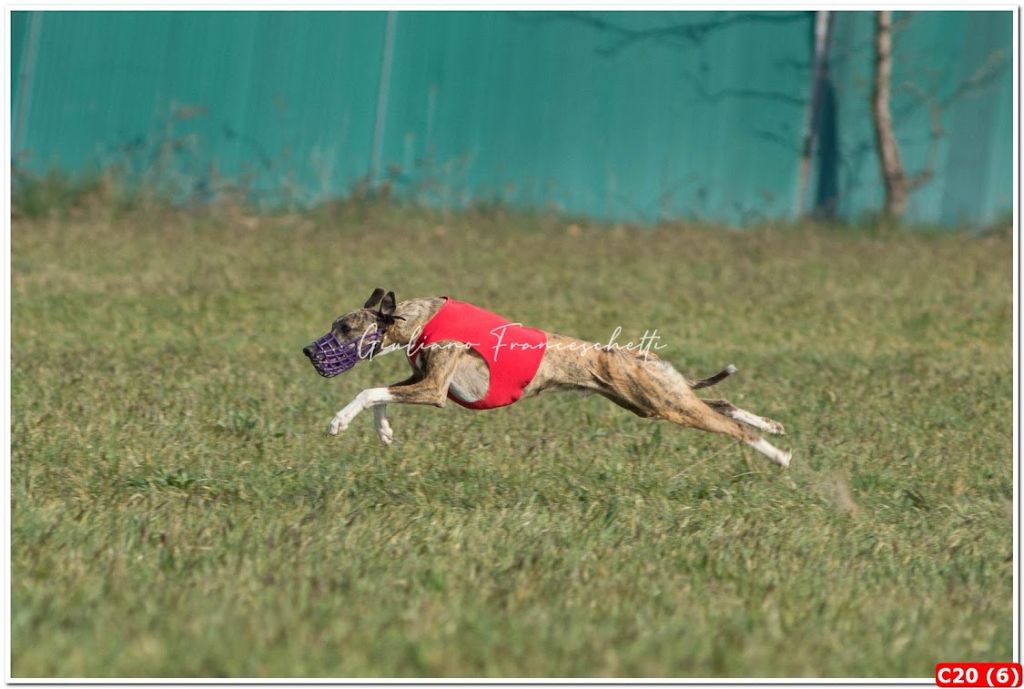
813	116
893	176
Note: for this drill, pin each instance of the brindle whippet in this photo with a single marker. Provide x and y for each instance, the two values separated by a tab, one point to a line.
638	381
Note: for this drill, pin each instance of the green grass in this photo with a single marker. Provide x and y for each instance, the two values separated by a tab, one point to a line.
178	511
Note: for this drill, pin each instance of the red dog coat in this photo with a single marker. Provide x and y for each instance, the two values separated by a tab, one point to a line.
512	352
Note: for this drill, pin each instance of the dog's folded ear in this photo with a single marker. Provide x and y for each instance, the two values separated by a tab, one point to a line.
374	298
386	310
387	305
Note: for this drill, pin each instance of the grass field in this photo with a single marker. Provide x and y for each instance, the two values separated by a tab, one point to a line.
178	511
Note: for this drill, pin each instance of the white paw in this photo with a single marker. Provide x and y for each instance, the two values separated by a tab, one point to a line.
340	421
385	432
771	452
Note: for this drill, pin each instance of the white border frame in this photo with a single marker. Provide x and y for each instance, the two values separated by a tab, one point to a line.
484	5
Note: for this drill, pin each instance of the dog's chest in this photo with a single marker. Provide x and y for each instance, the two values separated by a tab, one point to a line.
471	379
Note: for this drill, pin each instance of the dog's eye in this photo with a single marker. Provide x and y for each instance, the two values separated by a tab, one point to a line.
345	330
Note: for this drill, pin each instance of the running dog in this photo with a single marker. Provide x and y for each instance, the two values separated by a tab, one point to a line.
482	361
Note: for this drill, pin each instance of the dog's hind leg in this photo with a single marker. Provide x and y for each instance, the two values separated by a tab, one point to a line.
727	408
660	391
692	412
686	409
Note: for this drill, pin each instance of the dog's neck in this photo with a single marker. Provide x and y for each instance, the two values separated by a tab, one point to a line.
413	315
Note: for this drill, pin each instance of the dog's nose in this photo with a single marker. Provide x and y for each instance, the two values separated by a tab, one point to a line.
308	351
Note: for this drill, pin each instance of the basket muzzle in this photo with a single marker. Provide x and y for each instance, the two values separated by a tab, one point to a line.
330	356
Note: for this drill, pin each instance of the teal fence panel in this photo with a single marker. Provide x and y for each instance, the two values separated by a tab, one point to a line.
617	115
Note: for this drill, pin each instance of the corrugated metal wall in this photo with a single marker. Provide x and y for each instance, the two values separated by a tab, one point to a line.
611	114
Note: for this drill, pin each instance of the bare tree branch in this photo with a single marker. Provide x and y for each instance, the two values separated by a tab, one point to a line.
855	51
927	172
986	73
784	142
693	33
706	95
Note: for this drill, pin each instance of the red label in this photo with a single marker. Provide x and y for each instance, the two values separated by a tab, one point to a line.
978	674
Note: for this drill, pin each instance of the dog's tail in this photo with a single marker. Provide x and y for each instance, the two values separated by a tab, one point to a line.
715	379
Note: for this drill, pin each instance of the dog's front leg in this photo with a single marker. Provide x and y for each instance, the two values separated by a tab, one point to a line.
369	397
429	388
381	425
380	412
